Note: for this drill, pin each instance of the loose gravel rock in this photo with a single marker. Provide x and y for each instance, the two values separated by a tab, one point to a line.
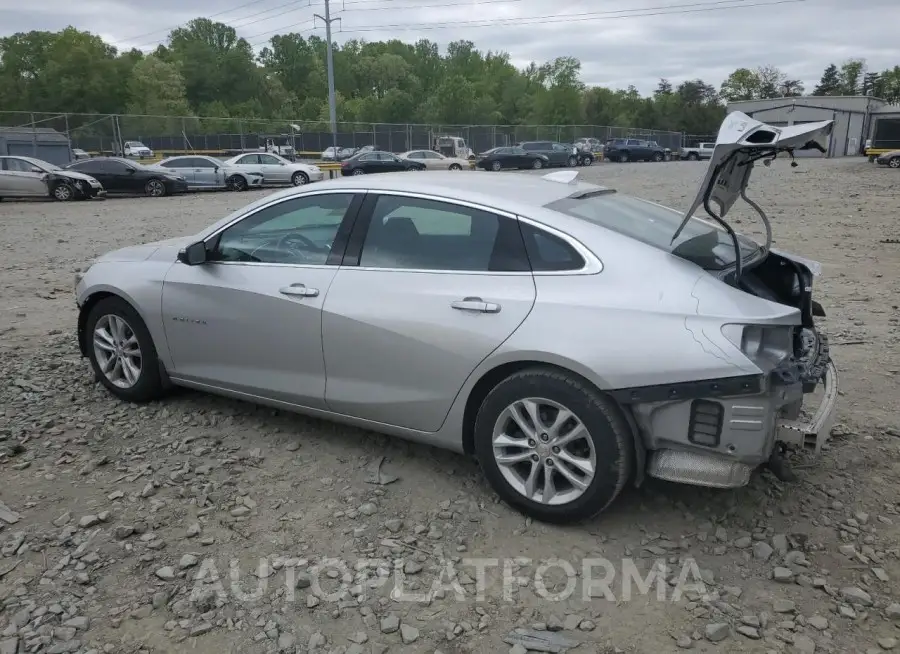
209	525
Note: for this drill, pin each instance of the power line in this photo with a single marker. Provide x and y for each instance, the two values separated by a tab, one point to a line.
169	29
557	18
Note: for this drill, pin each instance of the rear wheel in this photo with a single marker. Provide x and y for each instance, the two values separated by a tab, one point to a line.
496	166
63	192
155	188
588	161
455	167
553	446
693	156
623	158
359	171
573	161
121	351
658	156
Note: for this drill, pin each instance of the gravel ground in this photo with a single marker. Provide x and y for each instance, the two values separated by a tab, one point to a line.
110	512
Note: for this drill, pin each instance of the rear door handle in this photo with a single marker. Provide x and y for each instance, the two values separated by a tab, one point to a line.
298	290
476	304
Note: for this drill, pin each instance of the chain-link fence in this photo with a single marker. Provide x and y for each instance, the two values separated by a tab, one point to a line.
106	134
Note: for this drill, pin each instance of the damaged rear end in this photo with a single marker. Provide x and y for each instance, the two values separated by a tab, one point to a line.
733	430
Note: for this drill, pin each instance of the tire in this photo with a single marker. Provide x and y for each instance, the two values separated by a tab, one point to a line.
894	162
237	183
455	167
587	161
658	156
693	156
358	171
299	178
155	188
537	164
573	161
623	158
608	433
63	192
496	166
148	383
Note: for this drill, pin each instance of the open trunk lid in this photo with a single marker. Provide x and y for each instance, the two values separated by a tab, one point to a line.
741	142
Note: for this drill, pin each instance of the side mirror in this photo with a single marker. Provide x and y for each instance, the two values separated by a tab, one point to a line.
35	169
132	171
194	254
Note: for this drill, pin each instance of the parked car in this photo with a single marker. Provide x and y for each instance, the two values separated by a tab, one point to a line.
277	169
698	152
78	153
533	370
511	157
557	154
22	177
435	160
201	172
137	149
623	150
120	175
337	154
891	159
376	161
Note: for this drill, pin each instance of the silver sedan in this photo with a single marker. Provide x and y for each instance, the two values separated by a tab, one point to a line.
553	329
278	170
202	172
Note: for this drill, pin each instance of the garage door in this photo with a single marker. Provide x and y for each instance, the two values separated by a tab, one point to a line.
55	153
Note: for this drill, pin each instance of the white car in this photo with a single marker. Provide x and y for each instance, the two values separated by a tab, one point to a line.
277	170
435	160
137	149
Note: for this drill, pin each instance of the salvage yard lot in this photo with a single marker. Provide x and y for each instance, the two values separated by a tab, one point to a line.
206	480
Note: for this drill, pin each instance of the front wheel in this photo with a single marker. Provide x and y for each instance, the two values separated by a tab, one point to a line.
573	161
455	167
155	188
538	164
693	156
496	166
121	351
299	178
553	446
359	171
237	183
63	192
658	156
587	161
623	158
894	162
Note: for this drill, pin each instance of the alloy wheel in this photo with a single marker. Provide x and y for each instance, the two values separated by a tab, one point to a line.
155	188
894	163
117	351
63	192
544	451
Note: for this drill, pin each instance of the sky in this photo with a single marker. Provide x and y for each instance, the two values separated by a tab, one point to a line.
619	42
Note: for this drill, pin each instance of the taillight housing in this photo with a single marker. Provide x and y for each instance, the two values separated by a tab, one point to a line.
765	345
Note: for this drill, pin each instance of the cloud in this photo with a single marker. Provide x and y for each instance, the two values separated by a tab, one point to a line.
618	45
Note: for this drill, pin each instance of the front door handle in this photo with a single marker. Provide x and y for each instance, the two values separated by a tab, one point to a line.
299	290
475	304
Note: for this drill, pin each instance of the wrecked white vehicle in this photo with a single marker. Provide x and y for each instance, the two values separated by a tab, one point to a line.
570	337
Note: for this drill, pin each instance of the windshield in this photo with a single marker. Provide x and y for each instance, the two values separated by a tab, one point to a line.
700	242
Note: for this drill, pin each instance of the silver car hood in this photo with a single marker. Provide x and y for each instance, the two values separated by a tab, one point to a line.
147	250
741	142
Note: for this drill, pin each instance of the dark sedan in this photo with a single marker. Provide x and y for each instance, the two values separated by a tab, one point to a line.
376	161
891	159
514	157
123	176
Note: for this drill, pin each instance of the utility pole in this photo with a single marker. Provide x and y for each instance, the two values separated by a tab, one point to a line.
332	110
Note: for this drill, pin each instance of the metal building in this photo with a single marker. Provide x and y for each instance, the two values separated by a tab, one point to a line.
40	142
852	115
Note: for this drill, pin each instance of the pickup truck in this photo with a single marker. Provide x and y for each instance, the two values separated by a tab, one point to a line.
623	150
701	151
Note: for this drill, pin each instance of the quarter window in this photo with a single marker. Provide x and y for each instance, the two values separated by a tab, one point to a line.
548	252
419	234
296	231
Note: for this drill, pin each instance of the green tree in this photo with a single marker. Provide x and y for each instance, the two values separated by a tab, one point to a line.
830	84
